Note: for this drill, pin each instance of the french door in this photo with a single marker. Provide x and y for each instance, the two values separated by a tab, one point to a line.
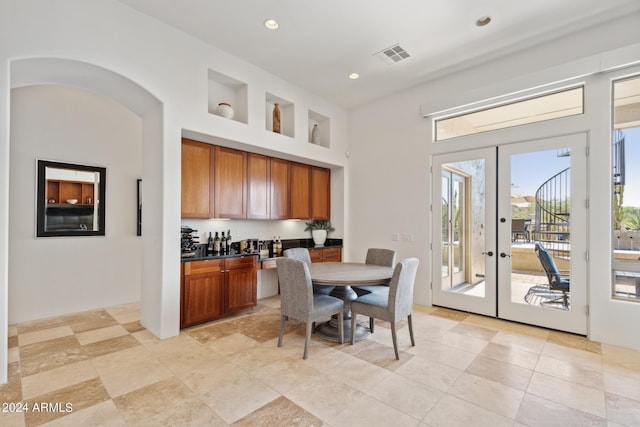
492	208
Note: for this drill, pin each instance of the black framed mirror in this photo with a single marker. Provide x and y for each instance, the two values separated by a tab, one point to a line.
70	199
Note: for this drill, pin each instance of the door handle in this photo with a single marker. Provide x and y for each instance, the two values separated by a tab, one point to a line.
487	253
503	255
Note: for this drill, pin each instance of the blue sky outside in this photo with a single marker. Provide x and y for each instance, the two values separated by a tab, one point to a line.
530	170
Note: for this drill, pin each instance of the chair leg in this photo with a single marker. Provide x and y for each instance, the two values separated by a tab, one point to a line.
282	319
413	342
341	326
307	340
395	339
353	328
372	323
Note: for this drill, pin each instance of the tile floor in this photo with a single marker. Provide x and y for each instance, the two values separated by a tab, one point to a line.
102	368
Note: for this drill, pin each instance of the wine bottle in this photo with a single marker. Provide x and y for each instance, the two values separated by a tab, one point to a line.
223	245
279	252
216	244
210	245
229	241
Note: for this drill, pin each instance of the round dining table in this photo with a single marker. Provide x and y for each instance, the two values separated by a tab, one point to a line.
342	275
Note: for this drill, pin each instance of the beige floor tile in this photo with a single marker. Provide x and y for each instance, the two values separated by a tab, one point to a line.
574	341
623	410
13	355
232	344
622	383
44	335
488	394
454	412
434	375
279	412
12	342
51	354
538	411
125	313
237	394
511	355
621	356
504	373
591	376
145	337
12	419
446	313
358	373
66	400
12	330
192	412
288	373
36	325
101	334
12	390
444	354
367	411
462	342
381	355
522	342
145	402
104	414
90	320
408	396
573	395
206	377
129	369
585	359
112	345
261	356
474	331
54	379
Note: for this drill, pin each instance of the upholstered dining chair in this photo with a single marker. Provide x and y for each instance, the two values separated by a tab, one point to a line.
375	256
297	300
392	308
302	254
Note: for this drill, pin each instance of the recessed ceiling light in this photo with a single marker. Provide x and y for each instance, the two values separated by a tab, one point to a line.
483	20
271	24
354	76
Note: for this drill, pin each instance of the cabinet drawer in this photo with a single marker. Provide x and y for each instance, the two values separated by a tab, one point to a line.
241	262
205	266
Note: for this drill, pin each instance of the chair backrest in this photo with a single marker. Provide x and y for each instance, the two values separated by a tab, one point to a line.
401	288
383	257
519	224
301	254
548	264
296	290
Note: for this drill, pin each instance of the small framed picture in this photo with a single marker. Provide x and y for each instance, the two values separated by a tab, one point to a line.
139	222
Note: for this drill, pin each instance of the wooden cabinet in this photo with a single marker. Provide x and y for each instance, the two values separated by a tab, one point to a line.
258	186
59	191
320	193
215	288
279	192
197	180
325	254
230	192
299	191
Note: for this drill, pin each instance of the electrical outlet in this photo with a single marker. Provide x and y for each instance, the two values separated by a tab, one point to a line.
395	237
406	237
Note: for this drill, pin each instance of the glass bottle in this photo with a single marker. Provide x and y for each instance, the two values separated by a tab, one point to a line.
223	245
229	241
216	244
210	245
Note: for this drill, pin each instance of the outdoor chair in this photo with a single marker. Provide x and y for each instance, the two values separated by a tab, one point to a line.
297	300
557	280
393	307
520	229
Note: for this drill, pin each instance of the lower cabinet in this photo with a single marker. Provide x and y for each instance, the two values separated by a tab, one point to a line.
326	255
215	288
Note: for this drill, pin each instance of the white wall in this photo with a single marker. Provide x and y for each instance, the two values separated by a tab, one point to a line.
58	275
123	52
390	185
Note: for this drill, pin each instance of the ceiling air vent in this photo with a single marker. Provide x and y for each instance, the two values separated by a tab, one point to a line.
392	54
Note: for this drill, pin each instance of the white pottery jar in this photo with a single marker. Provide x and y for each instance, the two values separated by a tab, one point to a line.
315	135
319	237
224	110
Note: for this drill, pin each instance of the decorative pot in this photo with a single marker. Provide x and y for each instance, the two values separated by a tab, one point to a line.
315	135
276	118
224	110
319	237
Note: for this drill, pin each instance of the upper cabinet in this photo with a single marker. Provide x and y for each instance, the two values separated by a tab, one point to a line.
258	186
320	193
280	205
197	180
230	188
220	182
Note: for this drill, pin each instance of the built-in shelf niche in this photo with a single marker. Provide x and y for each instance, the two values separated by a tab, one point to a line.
226	89
287	115
324	128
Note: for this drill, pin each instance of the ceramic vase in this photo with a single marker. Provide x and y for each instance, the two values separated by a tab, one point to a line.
315	135
276	118
224	110
319	237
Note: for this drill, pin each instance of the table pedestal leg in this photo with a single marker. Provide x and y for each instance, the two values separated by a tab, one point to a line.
329	330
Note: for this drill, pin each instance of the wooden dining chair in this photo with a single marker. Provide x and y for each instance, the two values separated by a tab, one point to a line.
392	308
297	300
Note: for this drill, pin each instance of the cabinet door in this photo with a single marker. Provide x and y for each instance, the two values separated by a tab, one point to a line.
230	183
241	289
203	298
300	187
332	255
258	186
280	181
316	255
197	179
320	193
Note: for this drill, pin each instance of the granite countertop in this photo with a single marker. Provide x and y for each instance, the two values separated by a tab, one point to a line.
202	257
